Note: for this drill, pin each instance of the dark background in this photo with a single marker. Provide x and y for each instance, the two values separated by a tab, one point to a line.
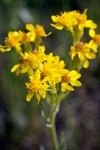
21	125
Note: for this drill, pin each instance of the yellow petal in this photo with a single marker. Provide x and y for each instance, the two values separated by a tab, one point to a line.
74	75
37	74
93	46
4	48
54	18
29	27
81	56
24	69
90	24
76	83
57	26
86	64
90	55
65	87
38	97
15	67
91	33
41	49
42	93
29	96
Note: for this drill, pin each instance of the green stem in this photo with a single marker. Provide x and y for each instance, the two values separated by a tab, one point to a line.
52	130
54	102
54	108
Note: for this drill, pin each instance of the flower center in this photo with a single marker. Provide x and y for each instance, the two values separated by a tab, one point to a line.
96	39
65	78
79	47
34	86
44	74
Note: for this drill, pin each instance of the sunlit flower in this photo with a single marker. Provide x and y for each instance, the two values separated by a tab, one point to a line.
83	52
36	32
52	69
59	20
29	61
24	37
13	40
83	22
36	87
65	20
72	21
39	30
69	80
95	42
72	18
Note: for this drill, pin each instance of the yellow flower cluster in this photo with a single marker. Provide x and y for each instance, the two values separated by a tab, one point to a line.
16	40
75	22
46	72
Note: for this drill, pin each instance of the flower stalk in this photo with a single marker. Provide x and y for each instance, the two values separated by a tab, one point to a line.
52	129
54	105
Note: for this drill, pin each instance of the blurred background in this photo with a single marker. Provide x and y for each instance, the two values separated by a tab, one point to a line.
21	125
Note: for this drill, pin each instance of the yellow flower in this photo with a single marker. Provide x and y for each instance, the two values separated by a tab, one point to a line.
13	40
95	42
82	21
69	80
39	30
65	20
24	37
52	69
71	19
83	52
30	61
36	32
60	21
36	87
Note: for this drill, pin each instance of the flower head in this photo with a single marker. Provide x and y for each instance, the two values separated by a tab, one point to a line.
36	32
95	42
52	69
30	61
13	40
39	30
71	19
37	87
83	22
65	20
59	20
69	80
83	52
24	38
